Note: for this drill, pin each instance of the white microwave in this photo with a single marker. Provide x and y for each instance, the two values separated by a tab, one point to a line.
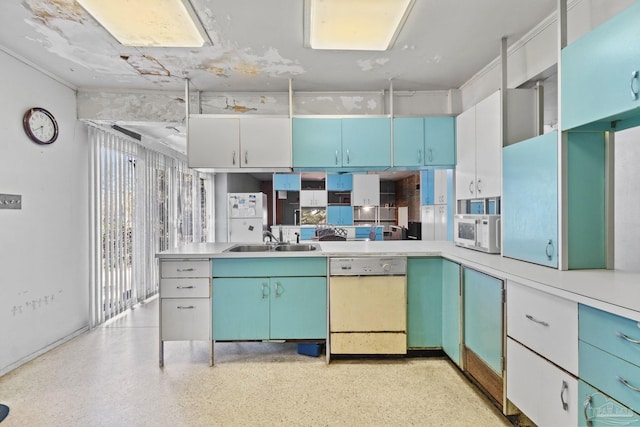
479	232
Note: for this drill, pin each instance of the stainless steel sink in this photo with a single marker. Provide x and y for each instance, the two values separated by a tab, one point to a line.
297	247
249	248
282	247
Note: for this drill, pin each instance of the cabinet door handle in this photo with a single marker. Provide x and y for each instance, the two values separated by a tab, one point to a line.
627	338
587	404
533	319
246	157
265	289
471	187
478	186
278	289
419	155
564	388
185	307
184	287
183	270
233	157
348	159
336	157
634	92
548	250
430	155
628	385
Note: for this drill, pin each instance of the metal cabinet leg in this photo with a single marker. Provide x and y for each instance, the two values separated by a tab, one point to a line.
161	353
211	354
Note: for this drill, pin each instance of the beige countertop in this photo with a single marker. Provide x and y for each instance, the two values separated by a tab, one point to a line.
611	290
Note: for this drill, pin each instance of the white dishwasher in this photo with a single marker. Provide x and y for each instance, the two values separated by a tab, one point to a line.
368	305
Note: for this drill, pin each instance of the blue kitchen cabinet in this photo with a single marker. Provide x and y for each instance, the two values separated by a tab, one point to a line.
366	142
424	303
266	298
240	308
439	141
339	182
340	215
408	142
286	181
600	410
342	143
451	299
367	232
298	308
428	141
483	318
427	187
307	233
601	75
530	200
317	142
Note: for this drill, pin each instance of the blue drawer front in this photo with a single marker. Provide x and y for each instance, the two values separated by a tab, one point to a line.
271	266
604	330
602	410
607	373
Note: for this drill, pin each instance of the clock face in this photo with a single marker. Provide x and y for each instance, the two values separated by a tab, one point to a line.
40	126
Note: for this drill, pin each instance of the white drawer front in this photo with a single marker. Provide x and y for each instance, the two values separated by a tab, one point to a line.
180	268
545	323
185	319
184	288
546	394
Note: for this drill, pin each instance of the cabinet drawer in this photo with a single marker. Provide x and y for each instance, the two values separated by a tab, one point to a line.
184	288
198	268
185	319
609	374
597	409
545	323
612	333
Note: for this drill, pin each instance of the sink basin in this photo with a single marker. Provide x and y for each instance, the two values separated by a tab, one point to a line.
297	247
249	248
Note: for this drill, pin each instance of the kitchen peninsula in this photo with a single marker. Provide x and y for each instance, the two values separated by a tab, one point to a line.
443	284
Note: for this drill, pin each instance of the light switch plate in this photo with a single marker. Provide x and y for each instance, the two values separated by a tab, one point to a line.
10	201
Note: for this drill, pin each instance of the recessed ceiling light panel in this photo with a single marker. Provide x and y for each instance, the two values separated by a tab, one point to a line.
160	23
354	24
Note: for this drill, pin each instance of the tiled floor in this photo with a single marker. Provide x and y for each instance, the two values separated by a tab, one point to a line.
110	377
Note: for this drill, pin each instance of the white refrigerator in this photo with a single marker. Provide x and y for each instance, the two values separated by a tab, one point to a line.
247	216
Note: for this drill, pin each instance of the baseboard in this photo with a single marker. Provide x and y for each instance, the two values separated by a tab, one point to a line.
5	370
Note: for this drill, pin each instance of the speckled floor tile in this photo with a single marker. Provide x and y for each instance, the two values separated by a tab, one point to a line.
110	377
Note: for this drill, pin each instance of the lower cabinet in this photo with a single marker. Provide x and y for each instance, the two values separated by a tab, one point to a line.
451	303
287	301
546	394
424	296
483	330
599	409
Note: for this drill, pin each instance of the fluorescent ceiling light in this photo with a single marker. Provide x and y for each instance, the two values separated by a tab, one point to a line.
162	23
354	24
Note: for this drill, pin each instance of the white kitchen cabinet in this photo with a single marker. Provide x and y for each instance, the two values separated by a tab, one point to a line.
544	393
366	190
313	198
256	142
434	222
185	304
480	141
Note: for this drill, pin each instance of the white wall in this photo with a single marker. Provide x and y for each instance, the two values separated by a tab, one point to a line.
43	246
627	200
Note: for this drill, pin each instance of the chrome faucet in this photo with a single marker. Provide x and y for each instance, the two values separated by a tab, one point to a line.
272	238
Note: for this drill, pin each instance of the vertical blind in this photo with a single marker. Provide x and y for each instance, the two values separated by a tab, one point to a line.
142	202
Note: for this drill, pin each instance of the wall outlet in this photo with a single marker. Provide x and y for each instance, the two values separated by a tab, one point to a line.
10	201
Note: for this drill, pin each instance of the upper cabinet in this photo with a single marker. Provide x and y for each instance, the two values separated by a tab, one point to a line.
233	143
366	190
530	200
286	181
339	182
428	141
341	143
601	75
480	140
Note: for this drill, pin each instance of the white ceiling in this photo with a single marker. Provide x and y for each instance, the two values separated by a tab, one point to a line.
258	47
